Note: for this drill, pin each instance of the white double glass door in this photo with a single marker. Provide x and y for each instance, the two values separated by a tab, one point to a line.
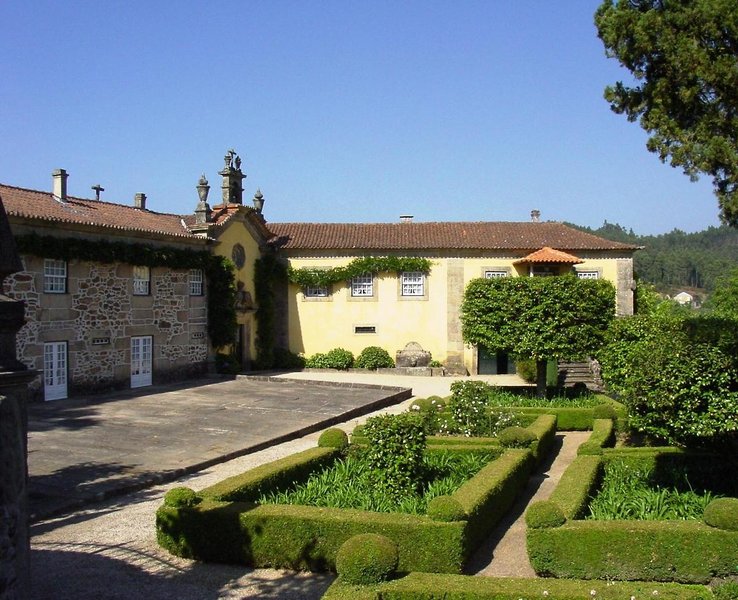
141	352
55	370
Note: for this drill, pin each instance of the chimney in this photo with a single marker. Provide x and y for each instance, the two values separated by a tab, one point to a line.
535	215
60	183
406	218
139	201
233	177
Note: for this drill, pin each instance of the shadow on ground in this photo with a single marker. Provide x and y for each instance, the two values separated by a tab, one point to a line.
130	572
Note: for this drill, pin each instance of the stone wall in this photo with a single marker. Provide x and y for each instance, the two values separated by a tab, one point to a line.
97	318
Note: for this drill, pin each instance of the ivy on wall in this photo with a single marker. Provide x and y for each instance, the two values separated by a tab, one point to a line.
306	277
267	271
218	270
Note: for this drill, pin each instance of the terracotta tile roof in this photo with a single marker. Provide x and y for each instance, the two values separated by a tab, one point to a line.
549	255
441	236
43	206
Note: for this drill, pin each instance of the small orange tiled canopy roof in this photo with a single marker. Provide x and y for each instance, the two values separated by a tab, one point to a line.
549	255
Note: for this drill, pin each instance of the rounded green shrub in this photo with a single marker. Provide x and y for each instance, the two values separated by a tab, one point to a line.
181	497
516	437
374	357
367	558
604	411
421	405
333	438
445	508
544	514
437	401
317	361
722	513
338	358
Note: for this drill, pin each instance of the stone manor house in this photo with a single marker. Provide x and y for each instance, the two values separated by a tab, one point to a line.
117	295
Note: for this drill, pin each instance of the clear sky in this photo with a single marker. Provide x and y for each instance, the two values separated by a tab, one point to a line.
341	110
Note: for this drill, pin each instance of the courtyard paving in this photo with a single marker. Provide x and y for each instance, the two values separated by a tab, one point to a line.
107	550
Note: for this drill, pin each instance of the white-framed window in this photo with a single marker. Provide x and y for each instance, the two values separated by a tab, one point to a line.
320	291
495	274
141	280
362	285
196	282
588	274
413	283
55	276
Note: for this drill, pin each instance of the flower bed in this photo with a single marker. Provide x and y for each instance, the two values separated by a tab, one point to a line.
223	523
682	551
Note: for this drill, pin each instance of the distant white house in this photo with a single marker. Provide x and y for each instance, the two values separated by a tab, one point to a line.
685	299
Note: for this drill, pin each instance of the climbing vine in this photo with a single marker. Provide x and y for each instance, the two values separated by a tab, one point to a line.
268	270
217	269
306	277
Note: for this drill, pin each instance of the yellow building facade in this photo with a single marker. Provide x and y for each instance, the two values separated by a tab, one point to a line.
389	309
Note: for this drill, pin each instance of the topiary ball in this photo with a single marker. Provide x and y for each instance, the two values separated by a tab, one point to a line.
333	438
367	558
722	513
445	508
516	437
421	405
544	514
181	497
604	411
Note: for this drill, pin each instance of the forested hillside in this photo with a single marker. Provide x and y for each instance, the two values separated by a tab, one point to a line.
678	259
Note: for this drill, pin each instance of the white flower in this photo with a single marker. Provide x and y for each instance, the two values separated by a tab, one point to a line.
592	593
632	598
545	592
655	593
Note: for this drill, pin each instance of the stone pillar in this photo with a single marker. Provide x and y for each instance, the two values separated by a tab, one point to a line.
625	287
15	548
455	295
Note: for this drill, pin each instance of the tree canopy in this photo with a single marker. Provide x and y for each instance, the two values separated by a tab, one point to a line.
538	317
724	300
683	55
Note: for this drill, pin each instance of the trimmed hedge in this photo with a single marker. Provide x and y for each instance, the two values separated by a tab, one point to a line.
603	436
722	513
428	586
576	485
543	514
683	551
572	419
544	428
249	486
307	537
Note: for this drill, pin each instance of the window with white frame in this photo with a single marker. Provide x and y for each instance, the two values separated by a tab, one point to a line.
55	276
362	285
588	274
495	273
141	280
196	282
318	291
413	283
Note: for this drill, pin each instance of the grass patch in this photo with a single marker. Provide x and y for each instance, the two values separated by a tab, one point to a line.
633	491
504	399
347	484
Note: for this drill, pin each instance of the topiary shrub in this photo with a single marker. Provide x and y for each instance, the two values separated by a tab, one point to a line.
437	401
181	497
421	405
317	361
445	508
366	559
516	437
333	438
604	411
338	358
374	357
722	513
544	514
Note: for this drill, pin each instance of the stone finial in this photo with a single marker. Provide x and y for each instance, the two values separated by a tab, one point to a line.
258	201
535	215
203	213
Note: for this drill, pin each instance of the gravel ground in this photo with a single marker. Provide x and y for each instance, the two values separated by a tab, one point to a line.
108	551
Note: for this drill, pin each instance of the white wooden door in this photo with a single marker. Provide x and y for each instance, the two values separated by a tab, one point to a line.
141	361
55	370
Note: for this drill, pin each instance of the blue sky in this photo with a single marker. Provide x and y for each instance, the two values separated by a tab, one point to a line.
340	110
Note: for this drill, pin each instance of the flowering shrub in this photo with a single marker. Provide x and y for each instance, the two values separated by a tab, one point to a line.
470	411
338	358
395	452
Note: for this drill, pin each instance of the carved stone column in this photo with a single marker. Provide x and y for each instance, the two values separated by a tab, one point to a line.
14	378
